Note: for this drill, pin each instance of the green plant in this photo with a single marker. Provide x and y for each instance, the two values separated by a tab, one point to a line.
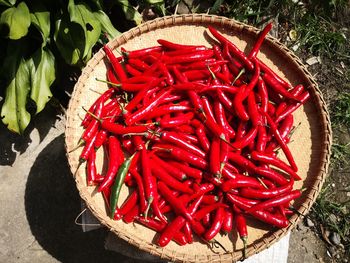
333	215
341	110
39	34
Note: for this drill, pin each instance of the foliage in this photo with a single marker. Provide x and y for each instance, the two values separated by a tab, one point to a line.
333	215
39	34
341	110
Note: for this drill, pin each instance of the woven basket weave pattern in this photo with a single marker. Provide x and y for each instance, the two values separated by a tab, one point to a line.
314	114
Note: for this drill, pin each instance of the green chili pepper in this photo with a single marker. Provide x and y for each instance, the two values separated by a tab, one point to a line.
117	186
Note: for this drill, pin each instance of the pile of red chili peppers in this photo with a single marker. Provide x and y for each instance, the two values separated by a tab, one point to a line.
194	133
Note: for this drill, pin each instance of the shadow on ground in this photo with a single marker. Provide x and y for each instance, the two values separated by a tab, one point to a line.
12	142
52	202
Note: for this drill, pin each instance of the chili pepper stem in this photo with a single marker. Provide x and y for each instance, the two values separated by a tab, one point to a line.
238	76
261	181
100	93
93	115
108	82
149	202
79	144
244	239
79	164
215	242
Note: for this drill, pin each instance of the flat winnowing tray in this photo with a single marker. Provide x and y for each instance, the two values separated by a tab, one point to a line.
310	144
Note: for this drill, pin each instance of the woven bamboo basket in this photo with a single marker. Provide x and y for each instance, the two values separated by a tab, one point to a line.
310	145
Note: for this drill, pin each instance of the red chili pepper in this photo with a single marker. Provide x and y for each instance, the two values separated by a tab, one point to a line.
132	71
179	207
302	98
242	181
89	146
253	111
188	233
262	91
119	129
189	171
183	155
209	199
269	159
264	216
242	230
163	176
271	174
187	58
91	169
215	225
174	138
232	168
276	201
150	184
238	103
174	226
238	53
141	113
118	69
128	204
176	121
116	158
261	139
141	52
266	193
214	157
240	144
206	220
171	45
171	169
202	137
221	118
167	109
227	224
259	41
223	87
132	214
141	190
277	135
203	64
268	70
138	64
277	87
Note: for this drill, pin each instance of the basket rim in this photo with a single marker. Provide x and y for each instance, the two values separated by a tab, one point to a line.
188	19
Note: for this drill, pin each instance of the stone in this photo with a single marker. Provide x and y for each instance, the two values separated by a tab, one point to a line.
335	238
309	222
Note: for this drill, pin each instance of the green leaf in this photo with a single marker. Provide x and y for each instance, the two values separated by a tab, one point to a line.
154	2
83	16
42	71
17	20
7	2
70	40
40	18
13	112
107	24
216	6
130	12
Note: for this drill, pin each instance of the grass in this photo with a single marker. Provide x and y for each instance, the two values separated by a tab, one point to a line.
341	110
333	216
319	34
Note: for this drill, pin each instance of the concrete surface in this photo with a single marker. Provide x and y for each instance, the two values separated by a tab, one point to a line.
39	203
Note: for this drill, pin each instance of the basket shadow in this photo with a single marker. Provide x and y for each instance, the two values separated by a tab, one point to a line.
52	203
